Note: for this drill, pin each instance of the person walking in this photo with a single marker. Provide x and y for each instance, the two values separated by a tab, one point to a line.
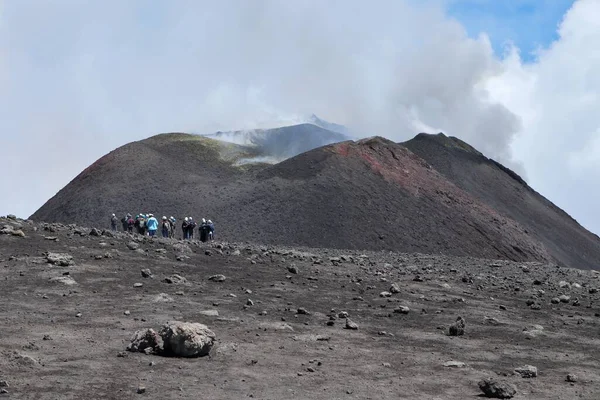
166	227
113	222
172	220
130	223
152	225
185	228
124	222
192	226
211	230
203	231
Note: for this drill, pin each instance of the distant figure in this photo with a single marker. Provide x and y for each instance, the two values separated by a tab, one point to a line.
166	227
140	224
192	226
185	228
130	223
203	231
125	222
172	220
113	222
211	230
152	225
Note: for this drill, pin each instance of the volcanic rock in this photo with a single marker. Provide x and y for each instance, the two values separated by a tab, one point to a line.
60	259
146	341
175	279
457	328
527	371
187	339
497	390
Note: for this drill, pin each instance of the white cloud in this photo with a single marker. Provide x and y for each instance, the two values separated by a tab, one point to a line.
557	99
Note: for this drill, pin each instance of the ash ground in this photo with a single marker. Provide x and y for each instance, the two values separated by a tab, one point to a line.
68	341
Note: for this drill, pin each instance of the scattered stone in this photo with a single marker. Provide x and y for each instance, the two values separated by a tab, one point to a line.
146	339
593	290
47	337
138	284
3	391
217	278
302	311
533	331
18	232
527	371
563	285
4	384
351	325
95	232
141	390
536	306
564	298
12	216
293	269
163	298
208	252
78	315
395	288
66	280
457	328
455	364
181	248
249	302
497	390
146	273
572	378
555	300
175	279
385	294
127	312
133	246
187	339
60	259
402	310
209	313
343	314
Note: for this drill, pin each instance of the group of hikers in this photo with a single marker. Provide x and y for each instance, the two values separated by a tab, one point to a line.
147	225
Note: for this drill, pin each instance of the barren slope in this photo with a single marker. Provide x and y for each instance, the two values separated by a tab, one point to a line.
370	194
564	239
64	341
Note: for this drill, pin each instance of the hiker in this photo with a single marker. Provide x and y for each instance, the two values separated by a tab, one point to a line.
211	230
113	222
192	226
203	229
185	228
130	223
166	227
172	220
125	222
152	225
140	224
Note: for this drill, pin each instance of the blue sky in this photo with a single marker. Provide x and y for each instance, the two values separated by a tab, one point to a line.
529	24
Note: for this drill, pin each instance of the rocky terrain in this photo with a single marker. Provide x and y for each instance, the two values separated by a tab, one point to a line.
432	195
288	322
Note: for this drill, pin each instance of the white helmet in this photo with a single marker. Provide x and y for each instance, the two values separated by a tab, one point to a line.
209	221
186	219
114	215
203	221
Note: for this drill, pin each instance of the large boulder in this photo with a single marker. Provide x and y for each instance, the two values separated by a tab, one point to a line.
187	339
